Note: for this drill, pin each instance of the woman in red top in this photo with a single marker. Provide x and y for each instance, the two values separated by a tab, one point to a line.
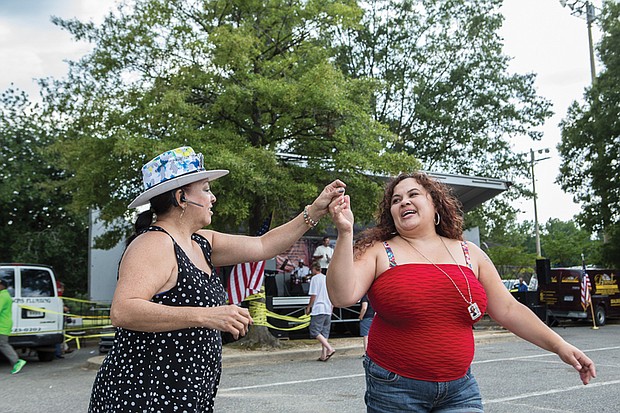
428	288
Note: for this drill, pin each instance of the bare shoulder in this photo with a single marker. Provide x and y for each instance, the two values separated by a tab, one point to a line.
147	266
476	252
152	245
375	258
370	251
206	233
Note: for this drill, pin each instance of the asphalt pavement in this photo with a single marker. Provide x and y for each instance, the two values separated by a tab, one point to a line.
305	349
514	377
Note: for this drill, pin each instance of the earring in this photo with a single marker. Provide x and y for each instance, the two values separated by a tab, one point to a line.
182	212
437	218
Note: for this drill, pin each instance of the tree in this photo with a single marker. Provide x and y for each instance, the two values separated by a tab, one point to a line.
238	81
590	148
38	226
563	244
512	262
244	82
444	87
508	244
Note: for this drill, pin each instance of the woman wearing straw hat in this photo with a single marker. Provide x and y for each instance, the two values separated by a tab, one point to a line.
168	307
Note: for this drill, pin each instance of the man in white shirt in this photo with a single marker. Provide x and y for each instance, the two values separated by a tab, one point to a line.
320	309
298	277
323	255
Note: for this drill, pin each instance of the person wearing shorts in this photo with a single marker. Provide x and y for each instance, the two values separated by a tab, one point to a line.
320	310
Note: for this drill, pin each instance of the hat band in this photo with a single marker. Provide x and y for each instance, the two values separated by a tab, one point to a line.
173	177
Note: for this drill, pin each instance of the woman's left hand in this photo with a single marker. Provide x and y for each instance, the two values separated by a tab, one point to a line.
329	193
580	362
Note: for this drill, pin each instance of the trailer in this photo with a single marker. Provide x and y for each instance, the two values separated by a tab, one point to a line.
560	292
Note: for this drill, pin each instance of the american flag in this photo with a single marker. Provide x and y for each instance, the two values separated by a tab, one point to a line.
585	288
247	278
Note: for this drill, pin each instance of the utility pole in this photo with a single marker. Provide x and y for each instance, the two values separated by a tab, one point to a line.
533	160
582	8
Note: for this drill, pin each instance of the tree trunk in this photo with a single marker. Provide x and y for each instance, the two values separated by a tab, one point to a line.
258	335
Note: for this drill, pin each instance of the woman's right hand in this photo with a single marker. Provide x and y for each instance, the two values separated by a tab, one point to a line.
340	211
229	318
330	193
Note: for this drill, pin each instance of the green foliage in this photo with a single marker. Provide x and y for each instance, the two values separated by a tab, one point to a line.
610	250
497	223
445	89
512	261
512	246
590	147
238	81
509	244
563	244
37	227
286	95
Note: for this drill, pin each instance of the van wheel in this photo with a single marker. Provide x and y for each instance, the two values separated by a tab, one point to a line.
45	355
600	315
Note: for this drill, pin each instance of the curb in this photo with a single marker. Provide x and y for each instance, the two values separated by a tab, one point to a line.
245	357
279	356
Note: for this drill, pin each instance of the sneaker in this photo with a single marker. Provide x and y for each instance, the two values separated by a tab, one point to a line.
18	366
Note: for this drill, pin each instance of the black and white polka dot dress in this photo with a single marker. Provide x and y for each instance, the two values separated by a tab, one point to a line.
175	371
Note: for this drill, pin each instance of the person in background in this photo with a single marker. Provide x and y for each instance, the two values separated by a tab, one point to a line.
428	287
298	277
522	285
367	313
323	255
6	324
169	307
320	310
533	285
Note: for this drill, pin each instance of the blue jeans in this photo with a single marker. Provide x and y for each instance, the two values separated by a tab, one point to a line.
387	392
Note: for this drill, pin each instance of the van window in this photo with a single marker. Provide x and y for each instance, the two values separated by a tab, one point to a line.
36	283
8	275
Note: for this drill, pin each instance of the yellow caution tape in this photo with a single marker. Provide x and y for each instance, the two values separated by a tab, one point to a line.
77	339
259	313
78	300
45	310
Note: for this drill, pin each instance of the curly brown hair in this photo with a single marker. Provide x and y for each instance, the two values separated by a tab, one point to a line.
446	204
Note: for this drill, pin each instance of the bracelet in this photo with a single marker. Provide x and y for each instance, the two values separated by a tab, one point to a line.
309	221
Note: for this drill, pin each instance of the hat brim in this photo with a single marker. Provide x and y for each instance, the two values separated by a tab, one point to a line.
145	197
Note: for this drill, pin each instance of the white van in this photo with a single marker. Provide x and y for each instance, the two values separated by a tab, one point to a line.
33	286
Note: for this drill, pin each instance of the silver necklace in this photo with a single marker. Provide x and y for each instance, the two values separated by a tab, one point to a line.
472	308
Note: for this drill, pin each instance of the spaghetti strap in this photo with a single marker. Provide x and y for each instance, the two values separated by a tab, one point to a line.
466	254
390	254
160	229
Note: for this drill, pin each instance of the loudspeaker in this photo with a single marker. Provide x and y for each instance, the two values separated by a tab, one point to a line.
543	271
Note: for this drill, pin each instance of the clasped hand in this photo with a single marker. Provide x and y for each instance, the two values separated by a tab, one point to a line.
340	211
332	192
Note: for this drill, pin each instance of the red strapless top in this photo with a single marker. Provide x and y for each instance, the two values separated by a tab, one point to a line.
422	327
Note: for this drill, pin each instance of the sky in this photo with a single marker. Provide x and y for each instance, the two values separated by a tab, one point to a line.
541	36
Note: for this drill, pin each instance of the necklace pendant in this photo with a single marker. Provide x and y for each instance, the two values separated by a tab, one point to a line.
474	311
